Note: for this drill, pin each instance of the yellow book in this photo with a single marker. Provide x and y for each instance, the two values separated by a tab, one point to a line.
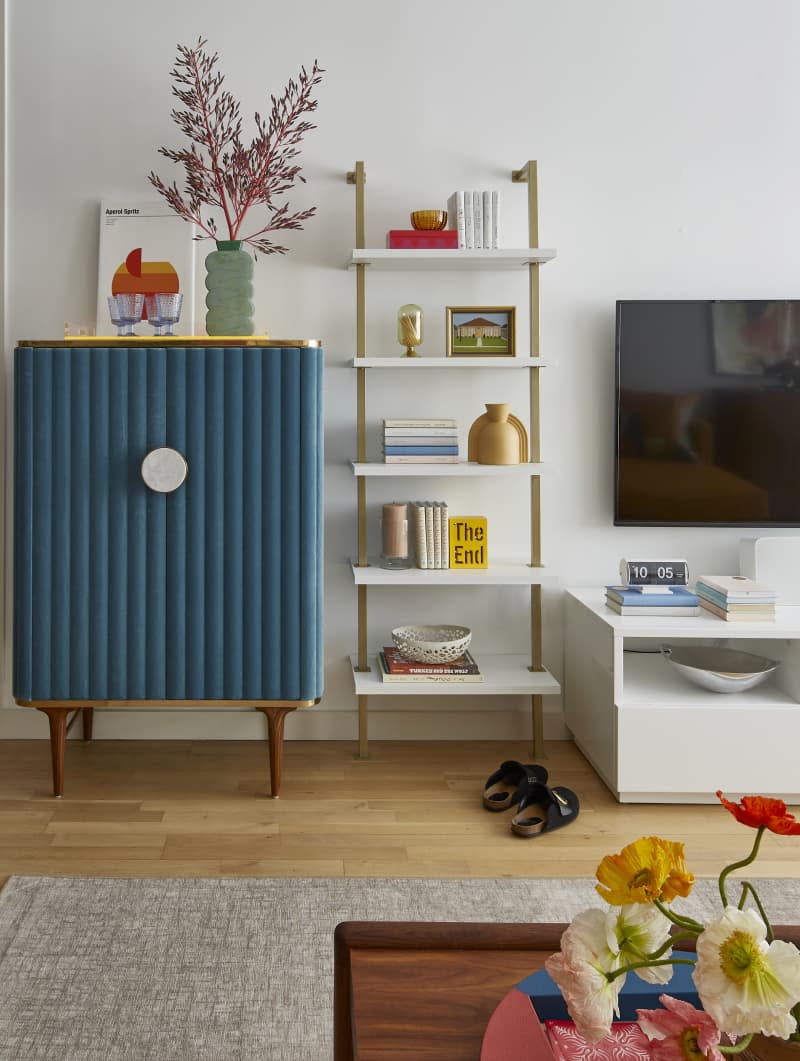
469	542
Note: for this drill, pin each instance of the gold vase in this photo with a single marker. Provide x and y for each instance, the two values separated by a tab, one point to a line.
768	1048
498	437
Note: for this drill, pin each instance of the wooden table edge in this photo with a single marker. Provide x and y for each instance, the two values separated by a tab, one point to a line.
350	936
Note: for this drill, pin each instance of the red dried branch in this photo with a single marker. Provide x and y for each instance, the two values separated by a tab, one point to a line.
220	172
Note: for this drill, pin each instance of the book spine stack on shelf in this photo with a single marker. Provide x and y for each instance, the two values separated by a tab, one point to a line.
420	442
422	239
431	532
474	216
396	668
669	601
736	599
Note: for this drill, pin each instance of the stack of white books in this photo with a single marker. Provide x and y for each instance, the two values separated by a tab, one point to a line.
431	530
475	215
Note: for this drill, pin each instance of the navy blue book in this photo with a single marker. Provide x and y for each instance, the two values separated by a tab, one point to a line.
680	597
636	993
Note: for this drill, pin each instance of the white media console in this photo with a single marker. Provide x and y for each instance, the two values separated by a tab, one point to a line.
653	736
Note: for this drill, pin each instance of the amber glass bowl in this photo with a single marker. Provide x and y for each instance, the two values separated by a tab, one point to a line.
430	220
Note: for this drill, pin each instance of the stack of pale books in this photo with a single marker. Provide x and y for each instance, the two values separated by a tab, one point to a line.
475	215
670	602
431	534
736	598
420	441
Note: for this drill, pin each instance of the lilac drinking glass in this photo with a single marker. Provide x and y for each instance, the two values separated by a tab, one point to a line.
152	314
168	308
113	312
130	312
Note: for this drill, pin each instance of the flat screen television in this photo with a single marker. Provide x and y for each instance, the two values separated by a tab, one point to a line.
708	413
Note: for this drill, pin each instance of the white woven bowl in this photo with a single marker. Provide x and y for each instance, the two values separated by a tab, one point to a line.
431	644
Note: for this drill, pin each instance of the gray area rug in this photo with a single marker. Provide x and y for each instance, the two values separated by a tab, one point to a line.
228	970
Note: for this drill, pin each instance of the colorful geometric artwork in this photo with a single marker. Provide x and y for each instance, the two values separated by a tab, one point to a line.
144	249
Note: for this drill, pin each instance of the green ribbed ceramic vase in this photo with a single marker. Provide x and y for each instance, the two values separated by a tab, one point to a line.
229	282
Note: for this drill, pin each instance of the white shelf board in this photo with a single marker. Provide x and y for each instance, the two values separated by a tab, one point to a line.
422	363
502	573
650	681
380	258
786	623
502	675
453	470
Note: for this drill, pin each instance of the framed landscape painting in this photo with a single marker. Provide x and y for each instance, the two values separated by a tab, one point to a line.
480	331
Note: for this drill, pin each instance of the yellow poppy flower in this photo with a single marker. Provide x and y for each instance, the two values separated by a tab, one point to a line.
649	868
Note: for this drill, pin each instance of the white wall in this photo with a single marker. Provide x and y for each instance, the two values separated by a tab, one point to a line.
668	160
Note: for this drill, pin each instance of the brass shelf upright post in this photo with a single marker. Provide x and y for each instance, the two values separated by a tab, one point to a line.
358	177
529	174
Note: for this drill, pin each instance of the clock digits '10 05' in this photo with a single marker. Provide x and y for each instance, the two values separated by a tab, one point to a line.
654	572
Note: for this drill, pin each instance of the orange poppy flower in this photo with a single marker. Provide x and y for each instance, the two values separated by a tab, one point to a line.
762	812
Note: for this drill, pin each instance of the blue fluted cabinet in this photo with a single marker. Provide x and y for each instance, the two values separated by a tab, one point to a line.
167	528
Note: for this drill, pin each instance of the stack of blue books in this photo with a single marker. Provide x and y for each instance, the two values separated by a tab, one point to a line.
669	601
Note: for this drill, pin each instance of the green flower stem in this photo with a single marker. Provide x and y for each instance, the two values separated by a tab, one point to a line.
738	865
681	921
739	1046
646	965
747	888
667	944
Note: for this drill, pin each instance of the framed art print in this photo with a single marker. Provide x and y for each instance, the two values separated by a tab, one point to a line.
480	331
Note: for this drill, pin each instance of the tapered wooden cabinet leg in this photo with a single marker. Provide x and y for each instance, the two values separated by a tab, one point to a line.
276	716
57	717
87	713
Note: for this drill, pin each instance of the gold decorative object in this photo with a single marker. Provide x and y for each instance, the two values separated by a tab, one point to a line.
429	220
498	437
409	327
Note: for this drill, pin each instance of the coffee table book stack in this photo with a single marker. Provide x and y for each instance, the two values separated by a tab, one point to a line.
532	1021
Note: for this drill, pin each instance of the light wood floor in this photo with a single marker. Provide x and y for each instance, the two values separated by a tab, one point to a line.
199	809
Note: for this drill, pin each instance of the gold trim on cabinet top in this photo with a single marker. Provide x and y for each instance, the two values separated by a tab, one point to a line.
161	705
169	340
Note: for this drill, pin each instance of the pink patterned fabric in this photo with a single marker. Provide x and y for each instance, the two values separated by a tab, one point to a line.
627	1042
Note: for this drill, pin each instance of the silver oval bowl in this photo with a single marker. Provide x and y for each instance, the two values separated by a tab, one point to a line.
722	670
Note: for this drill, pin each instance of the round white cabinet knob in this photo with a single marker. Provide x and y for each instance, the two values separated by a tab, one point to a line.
164	469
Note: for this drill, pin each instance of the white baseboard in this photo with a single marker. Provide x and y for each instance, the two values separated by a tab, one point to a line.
304	724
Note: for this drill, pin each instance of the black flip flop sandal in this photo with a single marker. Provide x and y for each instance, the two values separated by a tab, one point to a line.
505	786
542	809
